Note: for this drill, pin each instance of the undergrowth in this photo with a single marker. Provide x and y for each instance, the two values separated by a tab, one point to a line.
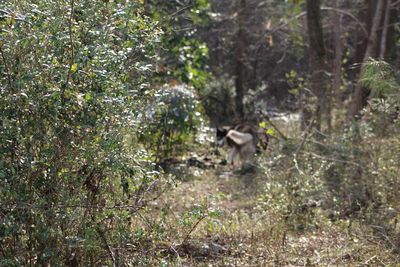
324	204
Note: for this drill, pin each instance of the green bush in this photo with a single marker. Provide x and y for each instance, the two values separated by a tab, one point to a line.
218	100
170	119
74	77
293	191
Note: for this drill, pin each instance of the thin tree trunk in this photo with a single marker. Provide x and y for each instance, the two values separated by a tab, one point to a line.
385	29
240	66
371	47
337	61
317	59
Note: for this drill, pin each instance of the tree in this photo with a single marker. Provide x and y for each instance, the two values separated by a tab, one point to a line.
182	56
319	76
371	51
74	77
272	45
240	59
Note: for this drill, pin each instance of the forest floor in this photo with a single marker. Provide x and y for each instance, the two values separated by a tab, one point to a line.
246	233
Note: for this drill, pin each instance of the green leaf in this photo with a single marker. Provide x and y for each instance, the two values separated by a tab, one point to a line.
271	131
74	67
88	96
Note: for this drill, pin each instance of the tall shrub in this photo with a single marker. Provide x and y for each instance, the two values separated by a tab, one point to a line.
74	76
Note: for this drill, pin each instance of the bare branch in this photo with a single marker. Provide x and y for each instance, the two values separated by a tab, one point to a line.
106	245
7	69
26	206
325	8
350	15
394	4
194	227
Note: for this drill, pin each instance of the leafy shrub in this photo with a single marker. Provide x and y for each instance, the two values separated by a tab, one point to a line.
218	100
170	119
73	79
383	111
183	56
293	192
380	77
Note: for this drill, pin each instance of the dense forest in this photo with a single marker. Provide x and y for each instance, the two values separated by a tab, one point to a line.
109	111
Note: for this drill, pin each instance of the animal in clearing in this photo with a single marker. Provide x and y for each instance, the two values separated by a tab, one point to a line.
243	141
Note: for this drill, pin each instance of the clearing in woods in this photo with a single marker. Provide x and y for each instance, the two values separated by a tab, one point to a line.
247	233
244	235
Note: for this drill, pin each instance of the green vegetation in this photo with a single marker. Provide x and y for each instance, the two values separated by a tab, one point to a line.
106	141
75	76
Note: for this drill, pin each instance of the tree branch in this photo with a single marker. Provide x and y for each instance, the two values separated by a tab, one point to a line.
7	68
325	8
71	61
194	227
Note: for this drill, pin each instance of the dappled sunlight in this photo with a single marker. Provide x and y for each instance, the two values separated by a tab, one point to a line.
199	133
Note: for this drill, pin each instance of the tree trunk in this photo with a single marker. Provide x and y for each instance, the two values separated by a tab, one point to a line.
357	103
240	58
337	60
392	34
317	60
385	29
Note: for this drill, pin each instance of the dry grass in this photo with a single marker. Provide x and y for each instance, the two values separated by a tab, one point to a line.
249	234
246	236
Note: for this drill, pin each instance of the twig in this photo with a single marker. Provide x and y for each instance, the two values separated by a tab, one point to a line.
287	22
324	8
32	206
275	128
307	132
8	71
317	142
348	14
107	246
369	260
296	165
383	234
171	247
395	4
180	10
177	254
333	159
71	63
194	227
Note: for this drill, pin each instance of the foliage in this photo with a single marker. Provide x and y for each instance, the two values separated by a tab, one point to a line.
292	14
349	175
296	83
182	55
206	208
380	77
74	75
91	96
382	112
170	120
292	192
218	100
344	181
